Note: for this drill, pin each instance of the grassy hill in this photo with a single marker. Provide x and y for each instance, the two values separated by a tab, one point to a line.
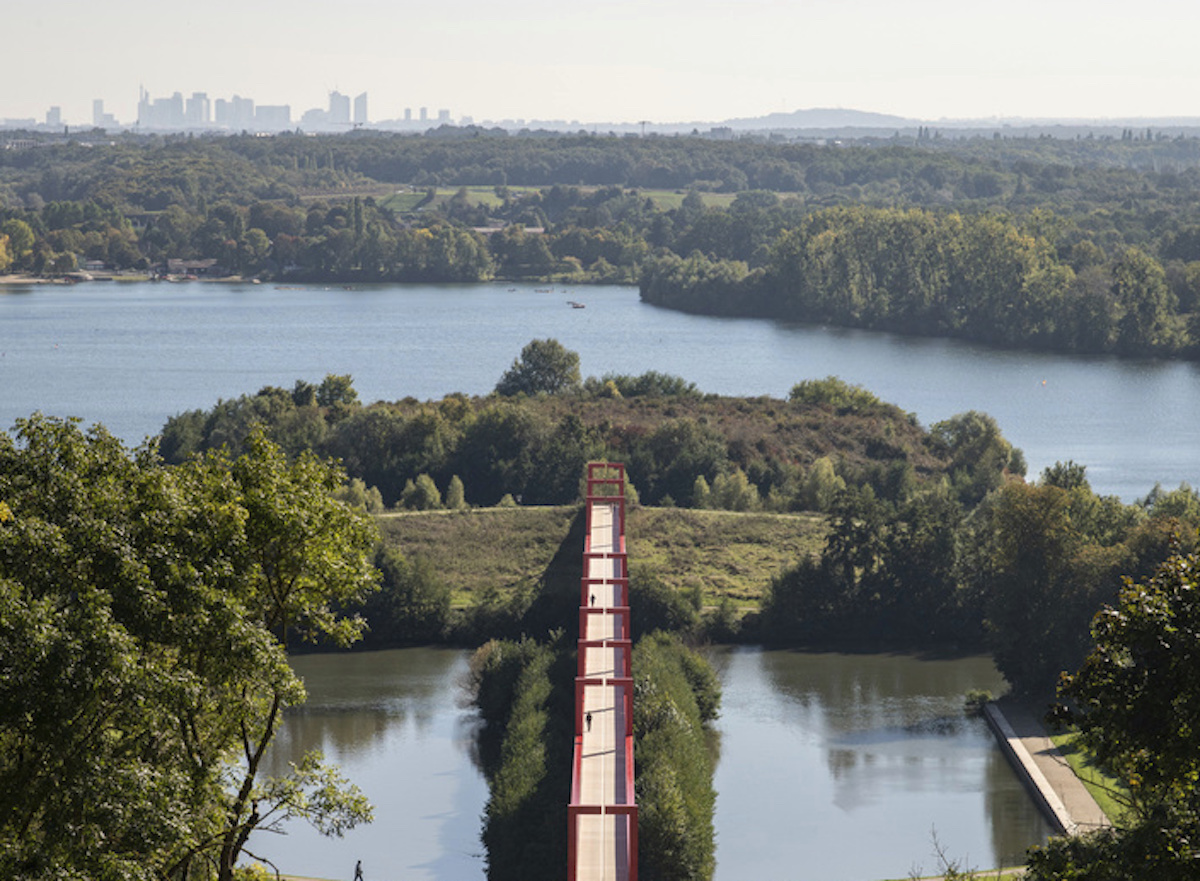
721	552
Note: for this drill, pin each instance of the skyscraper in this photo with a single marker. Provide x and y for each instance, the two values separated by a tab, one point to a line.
243	113
360	109
339	108
172	110
196	110
161	113
236	114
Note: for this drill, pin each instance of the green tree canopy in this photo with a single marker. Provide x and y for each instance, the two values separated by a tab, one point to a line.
20	239
1137	697
544	366
144	614
980	456
1136	702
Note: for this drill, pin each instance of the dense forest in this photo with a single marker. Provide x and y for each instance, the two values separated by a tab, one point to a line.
981	277
1087	245
146	613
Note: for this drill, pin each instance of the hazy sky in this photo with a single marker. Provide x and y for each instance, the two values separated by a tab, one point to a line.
612	60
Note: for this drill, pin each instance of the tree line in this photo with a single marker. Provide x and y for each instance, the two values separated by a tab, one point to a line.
1021	573
150	172
995	279
1073	245
681	447
1134	703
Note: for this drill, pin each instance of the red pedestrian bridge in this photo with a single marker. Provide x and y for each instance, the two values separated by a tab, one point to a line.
602	814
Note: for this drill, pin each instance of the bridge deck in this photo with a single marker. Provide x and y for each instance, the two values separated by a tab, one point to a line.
604	845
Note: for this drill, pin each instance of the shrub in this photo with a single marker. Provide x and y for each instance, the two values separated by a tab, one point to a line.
834	392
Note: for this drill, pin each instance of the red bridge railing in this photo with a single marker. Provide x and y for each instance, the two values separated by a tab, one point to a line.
602	813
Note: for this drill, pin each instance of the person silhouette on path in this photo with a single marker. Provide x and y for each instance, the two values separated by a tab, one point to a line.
358	875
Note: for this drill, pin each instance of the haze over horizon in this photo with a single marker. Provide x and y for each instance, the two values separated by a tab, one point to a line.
668	61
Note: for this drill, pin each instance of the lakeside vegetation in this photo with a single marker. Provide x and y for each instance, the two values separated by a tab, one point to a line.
524	691
681	447
1090	245
1134	705
989	278
904	536
1109	792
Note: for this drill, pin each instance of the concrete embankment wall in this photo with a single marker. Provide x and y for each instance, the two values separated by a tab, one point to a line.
1035	780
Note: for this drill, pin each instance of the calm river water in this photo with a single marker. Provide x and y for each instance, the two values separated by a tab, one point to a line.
131	355
832	767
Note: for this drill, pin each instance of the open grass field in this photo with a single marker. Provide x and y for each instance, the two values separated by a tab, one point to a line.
401	200
378	191
724	553
481	548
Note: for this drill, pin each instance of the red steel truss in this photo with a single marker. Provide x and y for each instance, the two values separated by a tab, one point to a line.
602	814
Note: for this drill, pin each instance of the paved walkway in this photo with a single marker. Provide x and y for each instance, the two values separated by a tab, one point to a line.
1068	804
603	837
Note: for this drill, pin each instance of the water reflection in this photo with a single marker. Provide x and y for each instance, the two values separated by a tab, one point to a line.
356	700
1008	811
832	767
823	751
394	722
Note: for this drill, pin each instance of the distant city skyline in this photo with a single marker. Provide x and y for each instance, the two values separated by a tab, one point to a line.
666	61
199	111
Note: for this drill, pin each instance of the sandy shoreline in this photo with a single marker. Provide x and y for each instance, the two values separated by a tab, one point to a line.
28	279
42	280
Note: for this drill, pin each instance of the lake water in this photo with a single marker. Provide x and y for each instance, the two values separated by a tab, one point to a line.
842	767
131	355
832	767
393	722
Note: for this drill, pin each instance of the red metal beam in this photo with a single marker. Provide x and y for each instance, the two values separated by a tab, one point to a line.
601	478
